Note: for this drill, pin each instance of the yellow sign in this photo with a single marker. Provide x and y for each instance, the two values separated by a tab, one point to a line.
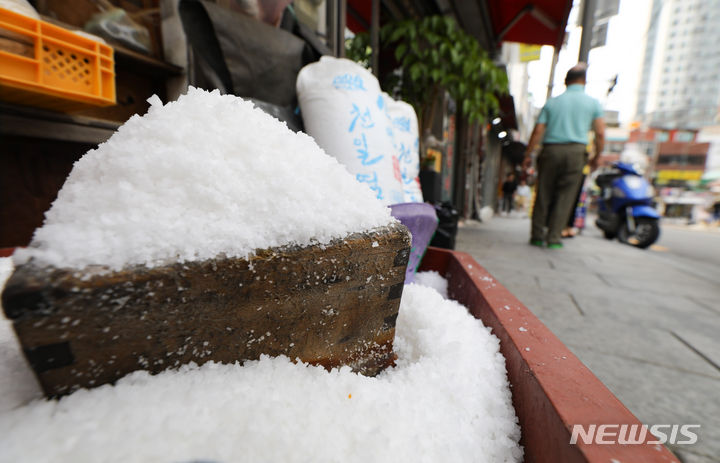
679	174
433	159
529	52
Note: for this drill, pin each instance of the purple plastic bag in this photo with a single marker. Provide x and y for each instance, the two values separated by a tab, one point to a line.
421	220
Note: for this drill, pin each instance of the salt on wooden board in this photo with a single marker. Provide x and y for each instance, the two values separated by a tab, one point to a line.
447	399
205	175
160	249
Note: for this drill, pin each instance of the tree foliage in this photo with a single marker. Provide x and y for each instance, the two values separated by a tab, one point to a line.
435	53
358	49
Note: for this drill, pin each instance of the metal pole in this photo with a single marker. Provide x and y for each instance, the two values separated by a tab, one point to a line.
331	20
551	80
341	21
588	22
375	37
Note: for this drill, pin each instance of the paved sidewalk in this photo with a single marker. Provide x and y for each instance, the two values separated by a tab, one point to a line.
647	323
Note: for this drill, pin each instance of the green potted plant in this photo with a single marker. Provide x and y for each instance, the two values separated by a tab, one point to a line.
435	54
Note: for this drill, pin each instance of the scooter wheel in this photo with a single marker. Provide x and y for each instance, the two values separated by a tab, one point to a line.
608	235
647	231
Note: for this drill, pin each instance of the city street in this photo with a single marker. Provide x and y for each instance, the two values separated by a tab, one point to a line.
647	323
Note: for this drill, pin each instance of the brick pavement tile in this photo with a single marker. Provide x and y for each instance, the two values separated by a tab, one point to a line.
644	322
658	395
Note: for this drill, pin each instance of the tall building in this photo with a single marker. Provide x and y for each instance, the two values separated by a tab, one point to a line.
680	83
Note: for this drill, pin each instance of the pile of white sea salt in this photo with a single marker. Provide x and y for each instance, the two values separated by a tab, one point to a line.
447	400
203	176
433	280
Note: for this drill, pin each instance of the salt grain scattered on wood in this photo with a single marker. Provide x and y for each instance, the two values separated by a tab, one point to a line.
205	175
162	190
447	400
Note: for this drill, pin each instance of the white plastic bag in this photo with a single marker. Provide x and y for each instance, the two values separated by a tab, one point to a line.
22	7
345	112
406	131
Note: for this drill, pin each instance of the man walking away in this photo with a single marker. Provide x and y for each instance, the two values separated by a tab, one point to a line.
563	127
508	190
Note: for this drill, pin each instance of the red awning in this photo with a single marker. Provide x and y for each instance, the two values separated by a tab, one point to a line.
540	22
358	15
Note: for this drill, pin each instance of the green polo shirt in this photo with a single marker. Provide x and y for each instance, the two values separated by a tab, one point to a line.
568	118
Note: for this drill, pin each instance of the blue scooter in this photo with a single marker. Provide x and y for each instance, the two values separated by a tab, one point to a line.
625	207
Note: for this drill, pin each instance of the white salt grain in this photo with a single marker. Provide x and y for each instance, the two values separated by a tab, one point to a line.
447	400
17	382
432	279
208	174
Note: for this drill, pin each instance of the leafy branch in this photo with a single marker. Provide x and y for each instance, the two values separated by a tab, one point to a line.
435	54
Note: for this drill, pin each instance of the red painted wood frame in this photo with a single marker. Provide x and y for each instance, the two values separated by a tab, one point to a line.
551	389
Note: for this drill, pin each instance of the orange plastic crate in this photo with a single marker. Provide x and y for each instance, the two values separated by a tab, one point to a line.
66	72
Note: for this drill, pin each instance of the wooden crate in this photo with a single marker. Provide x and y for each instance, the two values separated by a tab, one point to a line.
328	305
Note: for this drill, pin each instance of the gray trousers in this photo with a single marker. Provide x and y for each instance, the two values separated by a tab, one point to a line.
559	173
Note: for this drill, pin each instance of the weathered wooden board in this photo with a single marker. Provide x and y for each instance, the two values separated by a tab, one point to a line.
327	305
